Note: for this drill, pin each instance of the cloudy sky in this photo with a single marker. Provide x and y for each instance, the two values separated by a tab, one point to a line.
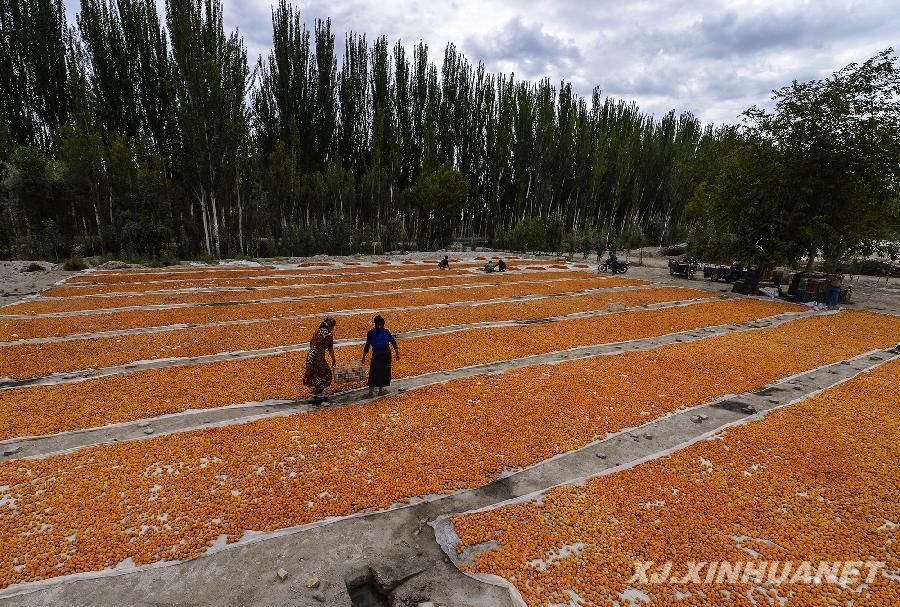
712	57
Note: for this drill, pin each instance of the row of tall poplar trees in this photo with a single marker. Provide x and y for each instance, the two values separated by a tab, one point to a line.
156	135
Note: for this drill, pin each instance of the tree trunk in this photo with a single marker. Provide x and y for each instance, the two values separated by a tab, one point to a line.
97	219
240	223
810	261
215	223
206	239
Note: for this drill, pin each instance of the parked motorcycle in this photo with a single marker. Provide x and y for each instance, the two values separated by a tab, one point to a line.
620	267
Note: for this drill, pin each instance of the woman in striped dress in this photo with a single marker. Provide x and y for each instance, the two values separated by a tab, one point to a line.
318	374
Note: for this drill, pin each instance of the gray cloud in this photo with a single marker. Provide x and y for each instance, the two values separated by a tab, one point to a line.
526	48
731	33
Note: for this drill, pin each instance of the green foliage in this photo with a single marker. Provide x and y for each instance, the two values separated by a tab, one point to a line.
532	235
74	264
210	80
818	175
31	186
139	140
141	235
438	197
34	98
442	192
149	146
393	234
631	237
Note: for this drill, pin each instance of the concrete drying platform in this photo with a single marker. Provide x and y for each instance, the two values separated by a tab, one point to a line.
338	313
394	553
239	302
164	363
405	555
19	448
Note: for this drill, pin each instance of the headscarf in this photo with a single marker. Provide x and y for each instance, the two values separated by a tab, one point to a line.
322	338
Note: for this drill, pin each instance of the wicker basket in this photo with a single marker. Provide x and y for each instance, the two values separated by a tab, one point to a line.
349	373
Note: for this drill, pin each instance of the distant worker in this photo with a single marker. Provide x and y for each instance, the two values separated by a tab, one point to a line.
613	262
318	374
501	266
379	340
489	266
833	293
444	264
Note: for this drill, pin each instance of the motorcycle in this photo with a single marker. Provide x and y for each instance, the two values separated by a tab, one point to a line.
620	267
685	267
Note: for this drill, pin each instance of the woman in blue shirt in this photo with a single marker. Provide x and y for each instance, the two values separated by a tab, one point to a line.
380	341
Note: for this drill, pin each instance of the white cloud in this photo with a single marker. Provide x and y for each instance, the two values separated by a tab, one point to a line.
713	57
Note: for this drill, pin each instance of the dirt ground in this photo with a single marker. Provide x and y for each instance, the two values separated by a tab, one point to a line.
16	282
868	292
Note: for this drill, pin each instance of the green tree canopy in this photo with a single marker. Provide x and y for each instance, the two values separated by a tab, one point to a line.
818	174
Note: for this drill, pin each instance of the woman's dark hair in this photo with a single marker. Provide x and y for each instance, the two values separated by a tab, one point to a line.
379	321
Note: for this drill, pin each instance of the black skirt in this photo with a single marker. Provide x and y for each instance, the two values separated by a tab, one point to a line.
380	369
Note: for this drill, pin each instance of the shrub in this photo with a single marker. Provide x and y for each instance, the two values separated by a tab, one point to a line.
74	264
673	250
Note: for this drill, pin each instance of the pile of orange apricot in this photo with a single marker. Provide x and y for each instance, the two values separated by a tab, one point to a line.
117	398
26	360
171	497
259	292
24	327
207	272
814	482
270	279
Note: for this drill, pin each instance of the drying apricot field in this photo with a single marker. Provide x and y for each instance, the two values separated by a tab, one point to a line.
551	437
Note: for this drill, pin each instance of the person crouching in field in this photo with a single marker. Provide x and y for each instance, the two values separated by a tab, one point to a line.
380	341
318	374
